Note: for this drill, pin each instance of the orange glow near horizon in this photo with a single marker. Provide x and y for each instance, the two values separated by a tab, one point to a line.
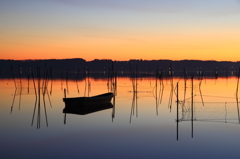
125	49
180	42
121	31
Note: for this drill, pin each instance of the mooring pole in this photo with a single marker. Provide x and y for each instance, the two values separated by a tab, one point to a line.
64	92
177	110
192	106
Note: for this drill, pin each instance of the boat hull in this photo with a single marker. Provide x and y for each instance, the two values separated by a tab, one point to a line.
86	105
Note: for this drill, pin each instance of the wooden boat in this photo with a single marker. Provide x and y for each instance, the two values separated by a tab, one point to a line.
79	101
86	105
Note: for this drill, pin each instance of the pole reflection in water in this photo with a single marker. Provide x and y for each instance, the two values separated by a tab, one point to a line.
134	104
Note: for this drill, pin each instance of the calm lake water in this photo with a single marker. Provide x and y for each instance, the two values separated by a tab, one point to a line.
140	125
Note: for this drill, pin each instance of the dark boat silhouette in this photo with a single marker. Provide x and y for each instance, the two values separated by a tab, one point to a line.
86	105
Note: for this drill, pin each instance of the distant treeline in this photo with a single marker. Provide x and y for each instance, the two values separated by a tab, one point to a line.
103	66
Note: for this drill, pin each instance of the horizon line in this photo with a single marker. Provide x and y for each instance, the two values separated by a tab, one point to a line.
118	60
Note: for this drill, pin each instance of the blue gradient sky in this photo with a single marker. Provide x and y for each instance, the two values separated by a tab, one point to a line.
120	30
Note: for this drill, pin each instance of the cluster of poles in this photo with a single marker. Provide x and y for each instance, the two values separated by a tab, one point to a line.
41	90
192	100
112	86
134	79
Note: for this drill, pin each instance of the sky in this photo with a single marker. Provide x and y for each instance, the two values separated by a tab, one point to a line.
120	29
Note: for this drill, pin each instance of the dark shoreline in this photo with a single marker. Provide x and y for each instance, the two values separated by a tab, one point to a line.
101	68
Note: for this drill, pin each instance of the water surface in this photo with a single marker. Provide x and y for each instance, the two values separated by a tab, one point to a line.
142	124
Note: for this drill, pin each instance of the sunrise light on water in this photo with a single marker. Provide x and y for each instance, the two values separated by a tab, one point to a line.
119	79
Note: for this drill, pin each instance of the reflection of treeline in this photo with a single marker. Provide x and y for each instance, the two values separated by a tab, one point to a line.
100	68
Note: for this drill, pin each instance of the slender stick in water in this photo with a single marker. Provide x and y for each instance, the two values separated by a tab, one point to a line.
20	72
13	100
192	107
115	89
28	84
200	84
77	75
237	95
156	90
65	93
39	90
51	81
13	77
67	80
35	99
136	90
177	110
237	83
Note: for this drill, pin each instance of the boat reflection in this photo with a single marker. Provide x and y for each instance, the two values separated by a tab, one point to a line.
88	109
